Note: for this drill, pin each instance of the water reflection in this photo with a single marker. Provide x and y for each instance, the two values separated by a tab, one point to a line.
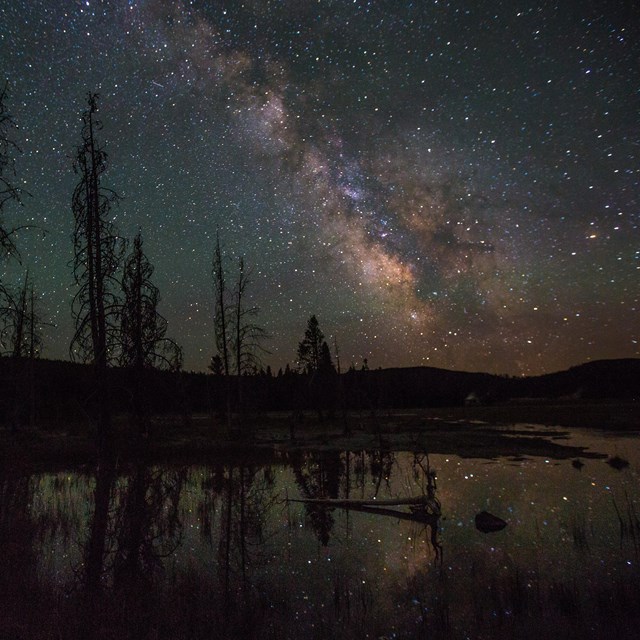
325	544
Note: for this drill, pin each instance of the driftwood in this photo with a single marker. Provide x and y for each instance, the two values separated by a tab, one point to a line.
421	505
423	509
419	515
346	502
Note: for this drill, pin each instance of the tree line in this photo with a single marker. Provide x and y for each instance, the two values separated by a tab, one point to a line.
116	305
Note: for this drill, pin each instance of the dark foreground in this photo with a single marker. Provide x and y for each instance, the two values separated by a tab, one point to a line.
197	533
485	430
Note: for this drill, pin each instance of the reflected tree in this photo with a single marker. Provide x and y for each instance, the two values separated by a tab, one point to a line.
318	476
135	523
96	546
148	525
233	508
19	587
381	465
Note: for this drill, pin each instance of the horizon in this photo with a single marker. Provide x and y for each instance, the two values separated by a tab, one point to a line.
442	185
276	372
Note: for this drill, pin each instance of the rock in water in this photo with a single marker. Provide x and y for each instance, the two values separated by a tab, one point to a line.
618	463
487	522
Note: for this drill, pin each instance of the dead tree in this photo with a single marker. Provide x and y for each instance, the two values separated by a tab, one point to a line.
248	336
22	340
221	322
97	257
8	191
144	344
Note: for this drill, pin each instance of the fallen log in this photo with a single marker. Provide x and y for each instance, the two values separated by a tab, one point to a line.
346	502
420	506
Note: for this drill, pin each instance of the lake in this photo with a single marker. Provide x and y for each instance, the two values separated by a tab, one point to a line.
230	549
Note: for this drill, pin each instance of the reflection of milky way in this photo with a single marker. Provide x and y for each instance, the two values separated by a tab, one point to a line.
441	184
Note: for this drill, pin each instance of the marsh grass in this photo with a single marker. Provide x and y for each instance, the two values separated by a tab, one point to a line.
629	523
434	604
519	605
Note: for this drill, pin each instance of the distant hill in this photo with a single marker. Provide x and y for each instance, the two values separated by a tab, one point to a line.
420	386
597	380
63	390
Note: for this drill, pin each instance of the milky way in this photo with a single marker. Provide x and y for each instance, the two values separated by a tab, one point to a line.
442	183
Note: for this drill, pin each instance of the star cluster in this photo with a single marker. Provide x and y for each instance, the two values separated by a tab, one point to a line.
441	182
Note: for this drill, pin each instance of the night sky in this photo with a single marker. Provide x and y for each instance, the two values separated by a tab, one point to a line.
443	183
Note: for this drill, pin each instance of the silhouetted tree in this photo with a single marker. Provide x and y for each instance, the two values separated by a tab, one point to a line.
248	337
325	363
144	344
238	338
222	309
314	359
8	191
22	334
97	256
217	366
310	348
221	322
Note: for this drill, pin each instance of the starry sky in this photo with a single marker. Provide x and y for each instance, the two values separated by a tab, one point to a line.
443	183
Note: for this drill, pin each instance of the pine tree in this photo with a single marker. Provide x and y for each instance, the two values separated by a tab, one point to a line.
314	355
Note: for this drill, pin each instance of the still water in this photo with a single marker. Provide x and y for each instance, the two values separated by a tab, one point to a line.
231	550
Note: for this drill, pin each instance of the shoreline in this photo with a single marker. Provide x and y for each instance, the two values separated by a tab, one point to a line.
481	431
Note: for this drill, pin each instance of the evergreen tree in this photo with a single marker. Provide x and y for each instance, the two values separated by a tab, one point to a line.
216	367
314	359
325	363
310	348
